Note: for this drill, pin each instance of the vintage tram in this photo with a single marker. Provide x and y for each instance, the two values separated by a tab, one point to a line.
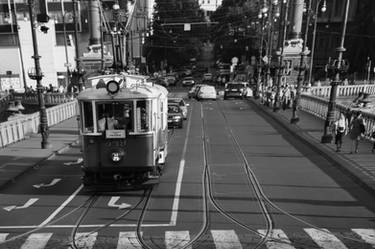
124	130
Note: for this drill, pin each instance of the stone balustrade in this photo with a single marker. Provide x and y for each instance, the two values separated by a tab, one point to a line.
350	90
19	128
319	107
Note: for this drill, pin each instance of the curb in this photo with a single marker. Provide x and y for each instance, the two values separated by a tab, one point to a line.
37	164
345	165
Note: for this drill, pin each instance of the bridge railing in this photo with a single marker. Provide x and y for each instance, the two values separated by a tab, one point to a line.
319	107
49	98
19	129
351	90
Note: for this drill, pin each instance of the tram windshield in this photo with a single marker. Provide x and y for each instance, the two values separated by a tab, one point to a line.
115	115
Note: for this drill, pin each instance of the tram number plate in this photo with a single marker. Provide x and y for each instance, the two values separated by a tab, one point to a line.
115	134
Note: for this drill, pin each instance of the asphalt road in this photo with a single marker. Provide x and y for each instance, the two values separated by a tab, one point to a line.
232	180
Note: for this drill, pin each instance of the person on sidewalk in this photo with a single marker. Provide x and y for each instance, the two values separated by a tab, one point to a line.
340	129
357	130
372	138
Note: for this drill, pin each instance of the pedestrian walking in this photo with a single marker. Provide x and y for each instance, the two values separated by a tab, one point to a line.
340	130
372	138
357	131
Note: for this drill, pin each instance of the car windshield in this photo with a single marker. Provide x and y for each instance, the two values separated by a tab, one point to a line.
188	78
173	109
235	86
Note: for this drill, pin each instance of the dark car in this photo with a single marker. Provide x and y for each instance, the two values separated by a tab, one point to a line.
181	103
175	116
235	90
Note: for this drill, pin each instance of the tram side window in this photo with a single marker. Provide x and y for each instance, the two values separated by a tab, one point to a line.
143	111
88	123
115	116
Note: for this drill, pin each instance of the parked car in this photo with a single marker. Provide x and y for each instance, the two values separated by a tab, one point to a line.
235	90
193	91
206	92
175	116
171	79
188	81
181	103
207	77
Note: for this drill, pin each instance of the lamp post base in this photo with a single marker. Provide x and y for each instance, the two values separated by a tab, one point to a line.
327	138
294	120
46	145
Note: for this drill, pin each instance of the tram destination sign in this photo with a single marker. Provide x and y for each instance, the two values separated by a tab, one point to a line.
115	134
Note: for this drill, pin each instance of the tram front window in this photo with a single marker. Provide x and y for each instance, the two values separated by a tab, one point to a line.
88	123
143	115
115	116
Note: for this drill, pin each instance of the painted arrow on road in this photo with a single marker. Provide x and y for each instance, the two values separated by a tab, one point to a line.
53	182
79	160
26	205
114	199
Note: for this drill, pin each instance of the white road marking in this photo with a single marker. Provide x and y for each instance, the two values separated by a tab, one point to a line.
128	240
62	206
53	182
367	235
36	241
30	202
85	240
3	236
226	239
282	242
181	168
177	239
114	199
79	160
325	239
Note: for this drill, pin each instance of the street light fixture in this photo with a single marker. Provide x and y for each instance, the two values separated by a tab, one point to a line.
338	67
37	75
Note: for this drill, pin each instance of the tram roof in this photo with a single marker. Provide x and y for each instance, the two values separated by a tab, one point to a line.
143	91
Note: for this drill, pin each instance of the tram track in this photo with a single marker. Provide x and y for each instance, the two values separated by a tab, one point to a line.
265	198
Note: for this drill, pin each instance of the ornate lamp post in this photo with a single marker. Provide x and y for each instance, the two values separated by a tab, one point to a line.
338	67
301	70
78	72
315	16
37	75
280	54
259	83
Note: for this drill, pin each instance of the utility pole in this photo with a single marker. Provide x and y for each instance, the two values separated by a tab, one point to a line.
37	75
338	67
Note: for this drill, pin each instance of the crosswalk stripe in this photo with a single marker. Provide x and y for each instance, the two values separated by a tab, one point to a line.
282	242
325	239
128	240
178	239
226	239
85	240
36	241
3	236
367	235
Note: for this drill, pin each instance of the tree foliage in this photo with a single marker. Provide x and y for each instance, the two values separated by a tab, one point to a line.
169	42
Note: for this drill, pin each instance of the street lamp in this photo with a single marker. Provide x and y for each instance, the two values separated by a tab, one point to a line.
280	54
338	67
37	75
323	9
261	16
301	70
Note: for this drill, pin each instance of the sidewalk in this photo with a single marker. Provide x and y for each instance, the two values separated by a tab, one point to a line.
359	166
21	157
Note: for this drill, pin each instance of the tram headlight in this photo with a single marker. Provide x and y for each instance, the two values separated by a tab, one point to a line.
113	87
